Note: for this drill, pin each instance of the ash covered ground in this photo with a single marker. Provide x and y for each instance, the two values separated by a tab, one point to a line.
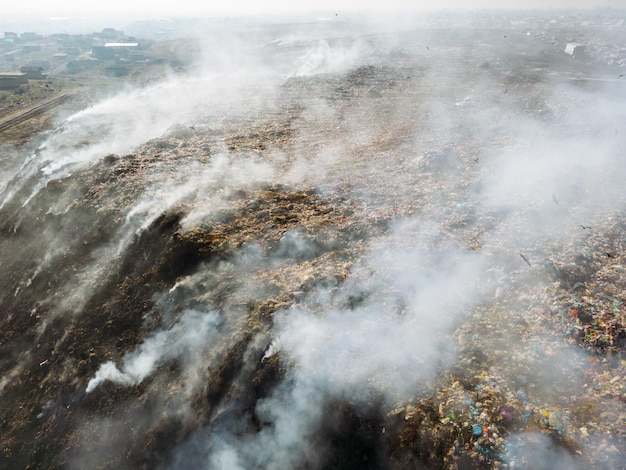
332	245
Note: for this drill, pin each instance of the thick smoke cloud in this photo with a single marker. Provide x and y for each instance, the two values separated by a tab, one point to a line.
396	297
324	58
405	304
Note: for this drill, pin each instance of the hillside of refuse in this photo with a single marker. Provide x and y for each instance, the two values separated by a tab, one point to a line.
353	251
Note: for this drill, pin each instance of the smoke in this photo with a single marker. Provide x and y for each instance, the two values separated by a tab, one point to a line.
552	171
476	190
324	58
233	87
294	410
388	329
382	334
401	306
128	119
185	338
535	450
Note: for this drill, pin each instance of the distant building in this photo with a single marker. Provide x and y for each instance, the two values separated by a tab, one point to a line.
111	50
44	64
9	83
137	57
76	66
30	36
33	72
122	45
116	71
31	47
575	49
111	33
103	53
10	56
12	80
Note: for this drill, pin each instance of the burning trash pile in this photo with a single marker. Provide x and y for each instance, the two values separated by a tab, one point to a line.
540	376
358	274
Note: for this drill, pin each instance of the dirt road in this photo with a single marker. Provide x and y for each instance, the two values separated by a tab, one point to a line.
32	111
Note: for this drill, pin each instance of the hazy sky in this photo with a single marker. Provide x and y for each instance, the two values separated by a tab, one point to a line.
81	16
191	7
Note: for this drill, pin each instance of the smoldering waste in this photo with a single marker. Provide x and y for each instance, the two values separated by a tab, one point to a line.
170	352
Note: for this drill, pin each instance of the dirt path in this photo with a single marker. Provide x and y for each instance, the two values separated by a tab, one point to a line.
32	111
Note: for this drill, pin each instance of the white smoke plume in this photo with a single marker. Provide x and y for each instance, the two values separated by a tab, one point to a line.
324	58
398	296
191	334
535	450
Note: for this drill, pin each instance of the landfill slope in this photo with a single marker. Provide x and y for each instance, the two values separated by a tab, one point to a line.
225	285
